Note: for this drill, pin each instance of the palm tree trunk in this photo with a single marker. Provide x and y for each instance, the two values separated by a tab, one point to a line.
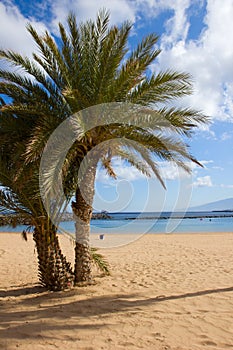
82	209
55	272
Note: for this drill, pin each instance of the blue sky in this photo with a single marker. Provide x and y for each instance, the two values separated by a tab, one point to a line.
195	36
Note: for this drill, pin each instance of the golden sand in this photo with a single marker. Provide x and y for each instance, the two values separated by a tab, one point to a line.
165	292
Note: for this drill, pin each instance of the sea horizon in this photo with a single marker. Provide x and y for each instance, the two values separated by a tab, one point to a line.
152	222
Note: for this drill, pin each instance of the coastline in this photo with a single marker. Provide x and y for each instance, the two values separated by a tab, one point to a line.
166	291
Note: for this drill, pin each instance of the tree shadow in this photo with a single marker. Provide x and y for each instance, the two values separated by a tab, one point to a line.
22	290
191	295
42	315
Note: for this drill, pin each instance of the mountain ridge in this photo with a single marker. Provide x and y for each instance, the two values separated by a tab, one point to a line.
223	204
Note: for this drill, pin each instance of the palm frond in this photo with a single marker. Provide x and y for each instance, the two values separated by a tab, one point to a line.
134	160
162	87
100	261
106	163
10	203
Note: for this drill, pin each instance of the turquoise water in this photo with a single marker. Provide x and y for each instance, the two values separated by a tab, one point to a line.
158	226
149	223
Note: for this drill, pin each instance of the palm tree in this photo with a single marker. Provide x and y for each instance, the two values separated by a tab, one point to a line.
21	204
90	65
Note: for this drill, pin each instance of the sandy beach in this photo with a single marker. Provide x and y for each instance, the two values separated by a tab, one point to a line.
165	292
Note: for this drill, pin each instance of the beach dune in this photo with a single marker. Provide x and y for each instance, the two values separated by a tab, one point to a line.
166	291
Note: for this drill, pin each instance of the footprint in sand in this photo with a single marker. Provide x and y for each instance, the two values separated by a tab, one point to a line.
159	336
2	252
208	342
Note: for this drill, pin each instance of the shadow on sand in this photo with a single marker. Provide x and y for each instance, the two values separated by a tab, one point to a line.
56	312
21	290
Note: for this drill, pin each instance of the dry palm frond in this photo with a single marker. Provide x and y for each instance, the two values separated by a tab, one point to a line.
100	261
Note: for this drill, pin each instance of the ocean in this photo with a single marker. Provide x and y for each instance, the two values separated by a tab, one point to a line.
165	222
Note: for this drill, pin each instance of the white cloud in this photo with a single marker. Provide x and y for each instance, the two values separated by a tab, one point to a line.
226	136
120	10
13	34
226	186
204	181
122	171
168	171
209	59
126	10
205	162
13	22
177	26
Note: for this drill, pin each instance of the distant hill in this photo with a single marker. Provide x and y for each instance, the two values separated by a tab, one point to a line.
224	204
